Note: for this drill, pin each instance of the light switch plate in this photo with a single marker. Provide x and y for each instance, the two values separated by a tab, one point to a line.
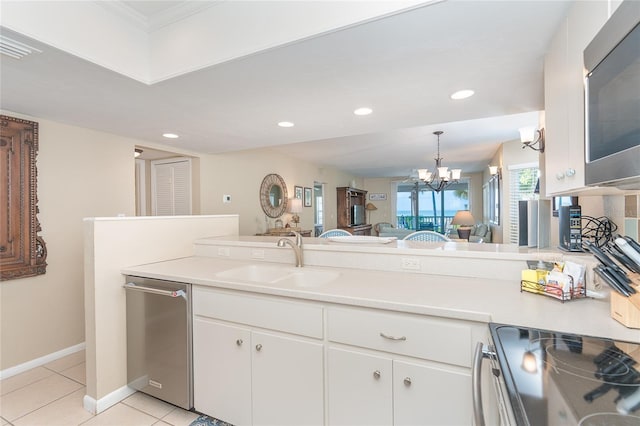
411	263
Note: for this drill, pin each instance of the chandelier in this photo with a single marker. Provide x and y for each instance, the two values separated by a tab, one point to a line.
442	177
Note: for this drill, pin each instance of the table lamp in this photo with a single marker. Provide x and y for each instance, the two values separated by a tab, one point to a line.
369	208
465	221
295	207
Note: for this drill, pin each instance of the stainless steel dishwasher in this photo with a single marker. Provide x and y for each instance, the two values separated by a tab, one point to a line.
159	339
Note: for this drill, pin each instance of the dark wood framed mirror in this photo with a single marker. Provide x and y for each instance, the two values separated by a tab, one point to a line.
22	252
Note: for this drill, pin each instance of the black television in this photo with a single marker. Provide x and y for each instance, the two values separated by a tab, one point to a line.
357	215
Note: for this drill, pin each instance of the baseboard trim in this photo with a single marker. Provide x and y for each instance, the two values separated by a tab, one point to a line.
38	362
96	406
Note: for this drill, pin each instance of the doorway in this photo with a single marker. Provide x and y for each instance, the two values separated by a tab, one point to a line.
318	210
419	208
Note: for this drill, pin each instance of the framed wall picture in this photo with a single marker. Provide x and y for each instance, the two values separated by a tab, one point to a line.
297	193
307	197
377	196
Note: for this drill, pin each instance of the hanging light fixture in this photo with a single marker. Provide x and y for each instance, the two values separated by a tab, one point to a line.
442	177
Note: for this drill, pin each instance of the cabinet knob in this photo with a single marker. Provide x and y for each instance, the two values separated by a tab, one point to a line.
570	172
559	176
239	342
407	381
258	347
376	374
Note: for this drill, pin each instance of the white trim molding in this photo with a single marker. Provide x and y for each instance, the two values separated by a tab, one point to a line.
97	406
38	362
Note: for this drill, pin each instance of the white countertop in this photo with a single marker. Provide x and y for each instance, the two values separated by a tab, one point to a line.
446	296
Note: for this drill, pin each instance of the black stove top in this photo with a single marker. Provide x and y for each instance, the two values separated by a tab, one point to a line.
557	378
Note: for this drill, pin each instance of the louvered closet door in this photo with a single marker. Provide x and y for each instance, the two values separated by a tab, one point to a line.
171	187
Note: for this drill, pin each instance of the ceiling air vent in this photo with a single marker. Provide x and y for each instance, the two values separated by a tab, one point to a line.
15	49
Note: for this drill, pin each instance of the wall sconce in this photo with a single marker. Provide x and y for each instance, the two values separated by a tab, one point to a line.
137	153
495	171
529	139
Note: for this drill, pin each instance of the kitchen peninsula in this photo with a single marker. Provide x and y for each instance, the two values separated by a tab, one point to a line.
478	282
439	296
361	330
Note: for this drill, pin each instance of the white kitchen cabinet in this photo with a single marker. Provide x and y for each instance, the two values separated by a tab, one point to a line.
247	376
222	372
415	372
372	390
360	388
429	395
564	97
287	381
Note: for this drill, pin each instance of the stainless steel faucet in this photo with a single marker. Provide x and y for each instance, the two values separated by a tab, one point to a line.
297	247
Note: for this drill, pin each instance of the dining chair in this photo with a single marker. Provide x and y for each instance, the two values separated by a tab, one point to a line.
426	236
334	233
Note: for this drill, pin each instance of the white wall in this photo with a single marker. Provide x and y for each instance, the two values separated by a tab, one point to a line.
386	209
240	175
85	173
111	244
80	173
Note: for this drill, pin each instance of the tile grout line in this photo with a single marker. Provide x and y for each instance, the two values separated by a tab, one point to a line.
50	402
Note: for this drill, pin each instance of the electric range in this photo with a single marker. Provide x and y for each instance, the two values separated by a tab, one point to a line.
554	378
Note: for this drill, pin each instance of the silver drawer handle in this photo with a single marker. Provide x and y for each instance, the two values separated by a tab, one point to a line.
376	374
258	347
239	342
407	381
386	336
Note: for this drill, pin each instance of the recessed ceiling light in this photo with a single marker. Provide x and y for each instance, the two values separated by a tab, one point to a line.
170	135
462	94
363	111
286	124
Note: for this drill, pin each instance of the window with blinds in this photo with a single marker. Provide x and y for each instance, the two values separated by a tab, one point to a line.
171	187
522	184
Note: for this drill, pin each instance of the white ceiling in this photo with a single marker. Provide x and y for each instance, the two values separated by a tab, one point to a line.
403	66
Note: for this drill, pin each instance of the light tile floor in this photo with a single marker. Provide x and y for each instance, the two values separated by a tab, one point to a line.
52	395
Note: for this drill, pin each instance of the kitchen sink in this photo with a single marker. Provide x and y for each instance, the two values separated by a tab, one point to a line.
282	275
308	278
256	273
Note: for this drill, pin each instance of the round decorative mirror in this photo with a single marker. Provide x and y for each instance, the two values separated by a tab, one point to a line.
273	195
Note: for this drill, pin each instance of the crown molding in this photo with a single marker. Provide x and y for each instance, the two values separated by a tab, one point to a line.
160	19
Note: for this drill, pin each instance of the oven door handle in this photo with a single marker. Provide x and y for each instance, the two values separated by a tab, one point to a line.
476	382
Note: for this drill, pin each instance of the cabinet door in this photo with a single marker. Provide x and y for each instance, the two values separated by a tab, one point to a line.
556	107
359	389
585	21
564	97
287	381
427	395
222	371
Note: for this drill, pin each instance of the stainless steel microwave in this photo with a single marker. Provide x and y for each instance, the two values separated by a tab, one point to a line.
612	101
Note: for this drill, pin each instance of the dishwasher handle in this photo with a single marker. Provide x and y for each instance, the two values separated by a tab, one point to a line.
476	375
169	293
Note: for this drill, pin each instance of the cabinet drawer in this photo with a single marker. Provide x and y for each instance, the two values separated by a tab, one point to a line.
435	339
280	315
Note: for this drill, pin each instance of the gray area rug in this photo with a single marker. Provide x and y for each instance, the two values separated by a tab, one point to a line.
208	421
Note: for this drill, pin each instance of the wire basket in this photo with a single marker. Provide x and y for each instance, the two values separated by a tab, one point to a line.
554	291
